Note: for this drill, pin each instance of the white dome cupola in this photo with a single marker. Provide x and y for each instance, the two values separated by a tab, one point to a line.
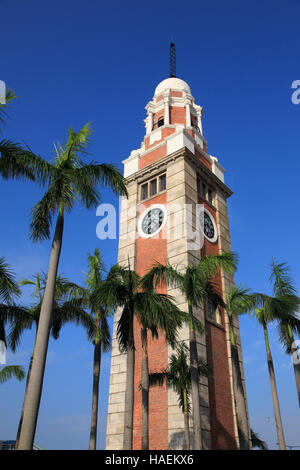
172	83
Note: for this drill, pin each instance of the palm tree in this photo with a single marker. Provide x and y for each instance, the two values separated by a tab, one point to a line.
65	310
101	339
270	309
125	290
195	284
8	372
178	376
237	301
290	325
69	180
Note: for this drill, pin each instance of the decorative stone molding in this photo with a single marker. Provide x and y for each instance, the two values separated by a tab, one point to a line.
160	165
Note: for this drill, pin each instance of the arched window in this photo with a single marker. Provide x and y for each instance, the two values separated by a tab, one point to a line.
159	123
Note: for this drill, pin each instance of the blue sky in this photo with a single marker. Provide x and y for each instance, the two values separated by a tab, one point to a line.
71	62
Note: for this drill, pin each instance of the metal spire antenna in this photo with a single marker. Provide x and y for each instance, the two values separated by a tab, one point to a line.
172	60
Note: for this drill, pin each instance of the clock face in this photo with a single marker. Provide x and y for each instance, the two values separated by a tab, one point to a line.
152	221
208	225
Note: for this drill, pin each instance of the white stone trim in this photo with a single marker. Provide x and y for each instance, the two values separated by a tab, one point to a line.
155	135
217	169
131	164
178	140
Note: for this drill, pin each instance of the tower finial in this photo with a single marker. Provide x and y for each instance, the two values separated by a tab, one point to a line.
172	60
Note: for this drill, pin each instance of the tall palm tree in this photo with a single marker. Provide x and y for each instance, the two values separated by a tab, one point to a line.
270	309
237	301
288	326
65	310
8	372
178	376
124	290
195	284
101	339
69	180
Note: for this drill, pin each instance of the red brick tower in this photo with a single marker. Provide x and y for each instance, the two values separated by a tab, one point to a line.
168	179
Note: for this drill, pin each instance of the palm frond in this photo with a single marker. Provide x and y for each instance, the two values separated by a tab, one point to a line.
18	162
20	319
155	310
106	174
8	286
159	378
105	335
287	328
42	215
78	142
162	275
9	312
69	312
282	283
257	442
210	264
124	329
95	271
85	190
9	372
281	307
213	296
239	300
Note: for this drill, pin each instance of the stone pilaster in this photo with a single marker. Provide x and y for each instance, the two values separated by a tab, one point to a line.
117	386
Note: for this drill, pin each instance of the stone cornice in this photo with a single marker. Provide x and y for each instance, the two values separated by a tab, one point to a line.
155	106
156	167
160	165
208	174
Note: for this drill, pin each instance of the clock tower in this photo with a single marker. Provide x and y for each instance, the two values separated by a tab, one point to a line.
176	212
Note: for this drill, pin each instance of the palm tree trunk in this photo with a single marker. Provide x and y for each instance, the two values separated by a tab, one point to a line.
186	422
238	390
129	399
194	363
96	378
240	402
26	387
145	391
22	411
279	427
35	383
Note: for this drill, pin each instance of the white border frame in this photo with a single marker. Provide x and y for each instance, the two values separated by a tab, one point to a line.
214	239
154	206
